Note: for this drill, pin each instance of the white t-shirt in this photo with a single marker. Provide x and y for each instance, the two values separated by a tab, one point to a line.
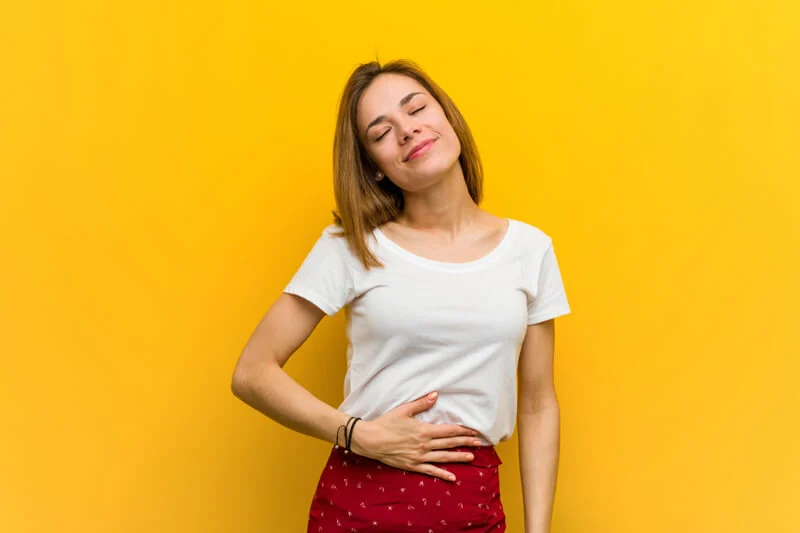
418	325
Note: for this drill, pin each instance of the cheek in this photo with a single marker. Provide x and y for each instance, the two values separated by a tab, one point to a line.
448	134
384	152
451	140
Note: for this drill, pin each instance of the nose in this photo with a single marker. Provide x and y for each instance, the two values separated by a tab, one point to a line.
408	129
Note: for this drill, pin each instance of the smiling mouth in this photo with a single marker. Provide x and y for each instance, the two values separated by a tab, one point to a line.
421	151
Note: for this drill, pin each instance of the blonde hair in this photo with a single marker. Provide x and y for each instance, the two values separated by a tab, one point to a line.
362	202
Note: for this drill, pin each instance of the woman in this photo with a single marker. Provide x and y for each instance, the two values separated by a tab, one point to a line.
442	297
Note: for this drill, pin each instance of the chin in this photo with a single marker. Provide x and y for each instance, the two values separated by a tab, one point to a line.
439	168
438	164
425	177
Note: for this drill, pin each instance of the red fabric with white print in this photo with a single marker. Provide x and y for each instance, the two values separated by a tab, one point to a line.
356	494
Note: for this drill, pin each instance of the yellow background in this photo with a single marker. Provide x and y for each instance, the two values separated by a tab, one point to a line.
166	166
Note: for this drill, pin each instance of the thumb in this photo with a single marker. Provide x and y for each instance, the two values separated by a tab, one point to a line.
422	404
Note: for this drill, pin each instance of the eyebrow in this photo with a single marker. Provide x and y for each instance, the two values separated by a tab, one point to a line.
381	118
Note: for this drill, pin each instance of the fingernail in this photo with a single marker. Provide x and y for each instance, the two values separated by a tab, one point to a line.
470	457
476	443
451	477
432	396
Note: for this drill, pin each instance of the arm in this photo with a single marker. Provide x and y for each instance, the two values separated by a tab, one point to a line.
396	438
260	381
538	421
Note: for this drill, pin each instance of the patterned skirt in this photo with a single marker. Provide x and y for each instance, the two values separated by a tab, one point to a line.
358	494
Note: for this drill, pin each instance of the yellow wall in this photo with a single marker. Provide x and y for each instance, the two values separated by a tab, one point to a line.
165	167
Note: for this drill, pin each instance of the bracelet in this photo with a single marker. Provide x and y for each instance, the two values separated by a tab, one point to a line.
346	438
349	437
336	444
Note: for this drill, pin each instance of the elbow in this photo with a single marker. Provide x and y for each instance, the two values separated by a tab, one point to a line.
242	379
246	374
252	370
238	384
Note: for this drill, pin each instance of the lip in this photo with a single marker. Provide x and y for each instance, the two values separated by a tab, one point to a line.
419	149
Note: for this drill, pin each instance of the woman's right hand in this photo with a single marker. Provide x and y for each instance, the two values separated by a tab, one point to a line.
399	440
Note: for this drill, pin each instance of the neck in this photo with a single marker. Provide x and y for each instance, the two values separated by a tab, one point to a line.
445	206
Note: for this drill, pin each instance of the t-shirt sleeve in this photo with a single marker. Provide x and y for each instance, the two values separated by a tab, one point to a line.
551	298
325	277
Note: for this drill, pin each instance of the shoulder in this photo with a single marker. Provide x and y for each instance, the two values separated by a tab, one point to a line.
328	242
531	236
334	239
332	230
334	234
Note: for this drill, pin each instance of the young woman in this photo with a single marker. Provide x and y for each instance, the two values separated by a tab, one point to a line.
448	306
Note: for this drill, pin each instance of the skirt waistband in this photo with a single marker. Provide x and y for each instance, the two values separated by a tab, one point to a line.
485	456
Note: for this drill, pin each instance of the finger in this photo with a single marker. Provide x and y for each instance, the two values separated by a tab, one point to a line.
440	431
454	442
431	470
420	404
448	457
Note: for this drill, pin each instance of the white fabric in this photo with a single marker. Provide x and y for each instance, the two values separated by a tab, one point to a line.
419	325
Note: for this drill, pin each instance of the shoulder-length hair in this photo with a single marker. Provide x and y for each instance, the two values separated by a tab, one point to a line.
362	202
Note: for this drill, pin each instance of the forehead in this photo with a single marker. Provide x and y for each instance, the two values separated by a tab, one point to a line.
384	94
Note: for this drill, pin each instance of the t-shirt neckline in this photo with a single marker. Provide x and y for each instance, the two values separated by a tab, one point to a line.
493	254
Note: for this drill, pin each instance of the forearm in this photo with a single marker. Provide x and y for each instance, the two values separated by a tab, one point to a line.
269	389
538	458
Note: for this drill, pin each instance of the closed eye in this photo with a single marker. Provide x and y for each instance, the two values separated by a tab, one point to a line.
387	131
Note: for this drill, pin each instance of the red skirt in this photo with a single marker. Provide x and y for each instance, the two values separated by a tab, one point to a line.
358	494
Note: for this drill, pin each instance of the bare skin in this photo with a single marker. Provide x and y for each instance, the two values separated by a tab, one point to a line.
440	220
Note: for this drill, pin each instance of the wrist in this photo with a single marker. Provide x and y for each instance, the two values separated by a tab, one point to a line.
362	437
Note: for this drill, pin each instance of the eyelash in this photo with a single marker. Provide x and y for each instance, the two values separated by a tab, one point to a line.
387	131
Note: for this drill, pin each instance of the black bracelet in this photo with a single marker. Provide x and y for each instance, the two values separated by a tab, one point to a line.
349	437
336	444
346	439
